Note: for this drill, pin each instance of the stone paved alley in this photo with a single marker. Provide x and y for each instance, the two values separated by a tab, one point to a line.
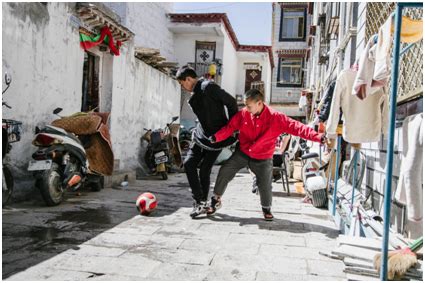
100	236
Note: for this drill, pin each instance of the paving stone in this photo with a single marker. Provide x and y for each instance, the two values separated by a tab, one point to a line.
171	256
292	252
220	273
334	268
50	275
95	251
235	244
289	240
273	276
179	272
261	263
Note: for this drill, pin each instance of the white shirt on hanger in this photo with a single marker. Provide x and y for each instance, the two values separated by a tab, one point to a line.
364	120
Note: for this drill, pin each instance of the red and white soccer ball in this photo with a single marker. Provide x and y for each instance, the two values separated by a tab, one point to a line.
146	203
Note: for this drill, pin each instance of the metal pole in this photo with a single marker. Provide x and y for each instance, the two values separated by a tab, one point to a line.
354	178
338	151
320	156
390	144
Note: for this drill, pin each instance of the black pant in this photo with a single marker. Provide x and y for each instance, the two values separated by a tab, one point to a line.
200	184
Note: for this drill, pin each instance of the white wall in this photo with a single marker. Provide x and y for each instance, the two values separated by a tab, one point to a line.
42	53
280	94
262	59
142	97
230	65
185	45
149	22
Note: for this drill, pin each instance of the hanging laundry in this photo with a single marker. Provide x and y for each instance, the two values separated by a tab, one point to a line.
302	102
411	32
364	84
364	120
325	108
409	188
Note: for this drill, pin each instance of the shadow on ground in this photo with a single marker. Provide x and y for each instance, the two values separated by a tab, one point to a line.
277	224
33	233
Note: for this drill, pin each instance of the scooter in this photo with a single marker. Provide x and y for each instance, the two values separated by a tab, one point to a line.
61	162
11	131
313	175
163	148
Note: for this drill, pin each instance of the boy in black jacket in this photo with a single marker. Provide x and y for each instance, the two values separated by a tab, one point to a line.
213	107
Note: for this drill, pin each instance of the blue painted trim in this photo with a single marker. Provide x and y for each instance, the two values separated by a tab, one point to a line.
390	144
353	185
338	152
410	5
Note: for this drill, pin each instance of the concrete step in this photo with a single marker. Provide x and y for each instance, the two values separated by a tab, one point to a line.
118	176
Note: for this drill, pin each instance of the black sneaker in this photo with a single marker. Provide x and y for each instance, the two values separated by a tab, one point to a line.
198	208
214	206
268	216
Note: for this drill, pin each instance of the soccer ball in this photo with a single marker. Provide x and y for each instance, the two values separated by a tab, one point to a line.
146	203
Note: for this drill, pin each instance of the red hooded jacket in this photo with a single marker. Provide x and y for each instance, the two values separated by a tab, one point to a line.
258	133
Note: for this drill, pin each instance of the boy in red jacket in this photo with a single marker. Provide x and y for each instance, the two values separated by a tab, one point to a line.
258	126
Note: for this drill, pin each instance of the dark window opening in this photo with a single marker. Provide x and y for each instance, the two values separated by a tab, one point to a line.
293	24
290	72
90	99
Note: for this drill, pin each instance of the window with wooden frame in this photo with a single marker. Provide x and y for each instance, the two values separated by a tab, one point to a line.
293	24
290	72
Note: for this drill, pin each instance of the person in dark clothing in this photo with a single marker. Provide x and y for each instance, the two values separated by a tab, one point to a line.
213	107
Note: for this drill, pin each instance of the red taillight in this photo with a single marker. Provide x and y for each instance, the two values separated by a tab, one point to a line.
42	139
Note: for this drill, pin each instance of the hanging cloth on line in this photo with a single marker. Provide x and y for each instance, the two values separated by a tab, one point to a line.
87	42
375	61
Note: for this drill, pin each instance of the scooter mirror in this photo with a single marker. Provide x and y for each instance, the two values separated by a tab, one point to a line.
7	78
175	118
57	111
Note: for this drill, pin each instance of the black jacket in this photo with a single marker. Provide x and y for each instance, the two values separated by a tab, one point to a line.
326	107
207	102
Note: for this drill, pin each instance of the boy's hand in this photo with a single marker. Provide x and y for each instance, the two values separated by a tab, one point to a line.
329	143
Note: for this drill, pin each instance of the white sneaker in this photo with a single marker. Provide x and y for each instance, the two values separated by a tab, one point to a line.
198	209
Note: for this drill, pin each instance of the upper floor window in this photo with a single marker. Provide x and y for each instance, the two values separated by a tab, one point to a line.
293	24
290	72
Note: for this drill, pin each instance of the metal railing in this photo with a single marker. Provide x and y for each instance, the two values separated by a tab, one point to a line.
411	64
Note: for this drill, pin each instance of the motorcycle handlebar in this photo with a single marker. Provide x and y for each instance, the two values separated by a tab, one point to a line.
5	104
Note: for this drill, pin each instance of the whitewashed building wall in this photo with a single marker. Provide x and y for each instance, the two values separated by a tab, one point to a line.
41	50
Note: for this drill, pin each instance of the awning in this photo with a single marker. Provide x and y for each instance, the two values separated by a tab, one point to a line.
95	16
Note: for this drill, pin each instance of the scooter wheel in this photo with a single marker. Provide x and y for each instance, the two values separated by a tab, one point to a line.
97	186
164	175
50	185
7	187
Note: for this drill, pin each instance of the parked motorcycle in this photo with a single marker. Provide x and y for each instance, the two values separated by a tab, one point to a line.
74	151
185	140
163	148
11	131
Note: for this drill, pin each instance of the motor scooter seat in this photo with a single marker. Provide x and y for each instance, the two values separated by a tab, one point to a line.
309	155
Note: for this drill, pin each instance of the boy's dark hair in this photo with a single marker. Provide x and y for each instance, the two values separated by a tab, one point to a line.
254	94
185	72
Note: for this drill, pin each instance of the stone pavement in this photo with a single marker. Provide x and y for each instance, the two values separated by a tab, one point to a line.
235	244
